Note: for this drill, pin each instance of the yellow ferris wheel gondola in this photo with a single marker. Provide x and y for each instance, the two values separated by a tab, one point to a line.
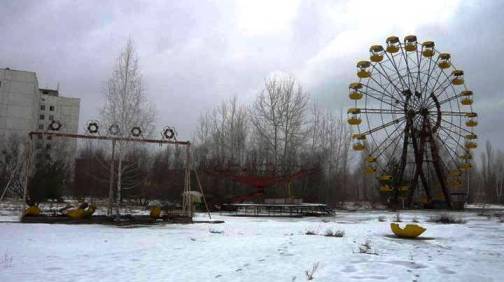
471	119
471	136
377	52
354	118
444	60
458	77
410	43
392	44
470	145
369	170
363	69
428	49
467	99
354	91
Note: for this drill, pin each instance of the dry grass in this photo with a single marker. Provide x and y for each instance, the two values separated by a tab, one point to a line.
446	218
310	274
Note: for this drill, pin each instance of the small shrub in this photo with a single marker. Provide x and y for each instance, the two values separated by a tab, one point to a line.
382	218
310	232
334	233
446	219
365	248
215	231
310	273
397	218
6	261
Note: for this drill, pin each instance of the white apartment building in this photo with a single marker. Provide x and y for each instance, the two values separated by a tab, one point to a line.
24	108
19	102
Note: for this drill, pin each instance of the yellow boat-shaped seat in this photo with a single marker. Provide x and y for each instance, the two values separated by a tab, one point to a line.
410	231
80	213
155	212
32	211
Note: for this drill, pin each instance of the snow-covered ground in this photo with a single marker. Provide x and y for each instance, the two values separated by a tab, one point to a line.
254	249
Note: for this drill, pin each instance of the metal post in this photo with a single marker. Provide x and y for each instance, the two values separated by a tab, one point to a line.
28	148
203	194
186	197
111	180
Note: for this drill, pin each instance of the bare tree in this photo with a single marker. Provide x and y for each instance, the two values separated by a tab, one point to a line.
11	165
222	133
278	117
126	104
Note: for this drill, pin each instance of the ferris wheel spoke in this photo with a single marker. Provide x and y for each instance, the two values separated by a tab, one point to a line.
385	93
390	138
408	71
430	106
450	134
395	121
448	113
380	111
457	126
399	75
419	65
378	99
449	131
429	75
436	87
384	74
448	149
443	85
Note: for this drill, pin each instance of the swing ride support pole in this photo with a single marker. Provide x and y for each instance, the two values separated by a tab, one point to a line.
186	196
28	147
203	194
111	180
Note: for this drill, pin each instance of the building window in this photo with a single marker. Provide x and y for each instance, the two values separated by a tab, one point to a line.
51	117
48	146
49	137
42	117
38	145
0	84
39	136
42	107
41	126
51	108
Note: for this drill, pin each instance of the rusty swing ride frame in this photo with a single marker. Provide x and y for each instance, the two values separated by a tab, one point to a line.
168	137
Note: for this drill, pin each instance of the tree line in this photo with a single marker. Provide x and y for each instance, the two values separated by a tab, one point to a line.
280	133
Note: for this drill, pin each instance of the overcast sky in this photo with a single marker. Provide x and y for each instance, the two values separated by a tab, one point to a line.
194	54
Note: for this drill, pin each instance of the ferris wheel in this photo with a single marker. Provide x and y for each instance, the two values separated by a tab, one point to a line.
412	116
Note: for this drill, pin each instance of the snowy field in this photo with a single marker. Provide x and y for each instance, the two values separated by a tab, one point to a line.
255	249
